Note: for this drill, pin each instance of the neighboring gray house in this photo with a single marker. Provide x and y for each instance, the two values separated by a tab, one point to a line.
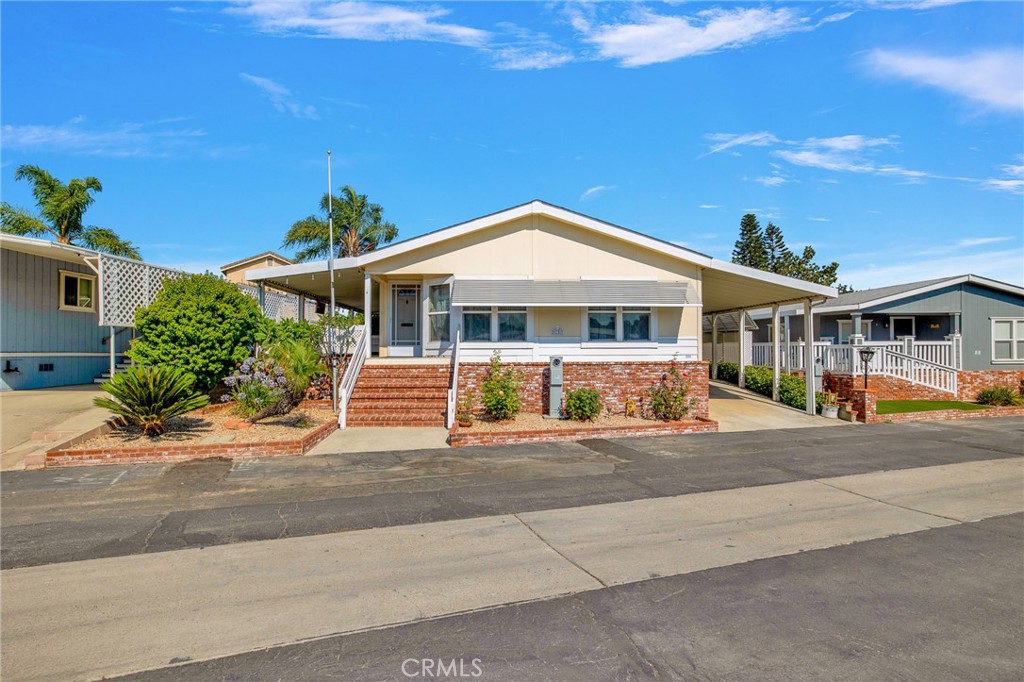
987	314
65	311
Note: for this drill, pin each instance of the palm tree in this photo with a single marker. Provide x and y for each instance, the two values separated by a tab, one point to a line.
61	208
359	226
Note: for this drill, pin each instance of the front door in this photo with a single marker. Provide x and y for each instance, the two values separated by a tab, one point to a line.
406	315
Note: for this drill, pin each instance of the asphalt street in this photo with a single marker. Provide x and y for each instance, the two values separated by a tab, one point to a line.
874	552
62	515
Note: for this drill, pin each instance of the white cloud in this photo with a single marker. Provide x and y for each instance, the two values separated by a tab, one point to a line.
709	206
993	78
980	241
594	191
281	97
771	180
1003	265
157	138
650	38
725	141
527	59
359	21
819	220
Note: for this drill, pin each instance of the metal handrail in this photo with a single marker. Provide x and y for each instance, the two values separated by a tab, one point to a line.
348	380
453	387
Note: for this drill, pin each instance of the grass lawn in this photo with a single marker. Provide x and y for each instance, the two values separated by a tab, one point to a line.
899	406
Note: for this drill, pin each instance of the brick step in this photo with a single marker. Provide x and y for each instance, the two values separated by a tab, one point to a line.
404	372
399	383
391	419
415	425
399	393
390	405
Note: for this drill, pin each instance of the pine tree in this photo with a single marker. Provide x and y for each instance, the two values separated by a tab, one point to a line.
749	249
776	251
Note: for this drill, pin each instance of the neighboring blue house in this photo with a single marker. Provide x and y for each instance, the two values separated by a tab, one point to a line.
65	311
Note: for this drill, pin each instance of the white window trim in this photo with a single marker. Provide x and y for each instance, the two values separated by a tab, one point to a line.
865	328
1014	359
425	340
585	324
892	325
495	328
63	275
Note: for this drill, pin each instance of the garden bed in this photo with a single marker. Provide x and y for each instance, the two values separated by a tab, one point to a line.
533	428
903	406
978	412
210	432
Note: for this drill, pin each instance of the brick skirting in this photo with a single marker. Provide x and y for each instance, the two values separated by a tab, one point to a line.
972	382
617	382
66	455
459	438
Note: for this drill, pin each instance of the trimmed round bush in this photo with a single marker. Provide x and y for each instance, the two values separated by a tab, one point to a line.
200	324
583	404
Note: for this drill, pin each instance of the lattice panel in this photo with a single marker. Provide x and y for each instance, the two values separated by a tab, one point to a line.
279	306
127	285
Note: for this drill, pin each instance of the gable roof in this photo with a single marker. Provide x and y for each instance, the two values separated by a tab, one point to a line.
259	256
725	286
869	298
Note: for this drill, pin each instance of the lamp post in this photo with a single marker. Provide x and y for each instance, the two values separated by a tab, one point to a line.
866	353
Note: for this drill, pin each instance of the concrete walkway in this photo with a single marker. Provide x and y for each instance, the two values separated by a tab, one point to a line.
35	420
381	439
736	409
202	603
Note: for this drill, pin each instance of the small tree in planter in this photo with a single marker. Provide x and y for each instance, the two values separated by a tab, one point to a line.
669	398
464	413
499	392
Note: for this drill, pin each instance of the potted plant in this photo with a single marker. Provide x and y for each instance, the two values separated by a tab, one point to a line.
830	405
464	413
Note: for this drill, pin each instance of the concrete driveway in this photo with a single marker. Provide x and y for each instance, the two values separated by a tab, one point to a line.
31	419
736	409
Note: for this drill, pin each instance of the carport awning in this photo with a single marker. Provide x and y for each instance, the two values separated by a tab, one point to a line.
554	293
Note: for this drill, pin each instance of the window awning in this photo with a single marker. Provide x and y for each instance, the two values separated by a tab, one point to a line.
556	293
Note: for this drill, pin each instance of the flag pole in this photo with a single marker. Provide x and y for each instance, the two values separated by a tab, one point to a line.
330	269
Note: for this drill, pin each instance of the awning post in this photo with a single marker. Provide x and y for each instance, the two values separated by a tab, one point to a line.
809	357
776	369
741	336
714	346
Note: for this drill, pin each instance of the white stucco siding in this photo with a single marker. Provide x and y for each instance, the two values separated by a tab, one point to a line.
538	247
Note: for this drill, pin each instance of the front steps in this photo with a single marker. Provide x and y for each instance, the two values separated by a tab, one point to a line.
120	367
400	395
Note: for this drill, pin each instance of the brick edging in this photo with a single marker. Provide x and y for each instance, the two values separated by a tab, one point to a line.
459	438
65	455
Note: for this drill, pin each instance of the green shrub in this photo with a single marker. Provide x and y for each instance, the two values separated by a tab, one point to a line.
759	379
301	362
149	396
729	371
669	398
260	389
270	334
499	392
793	391
200	324
1000	396
583	404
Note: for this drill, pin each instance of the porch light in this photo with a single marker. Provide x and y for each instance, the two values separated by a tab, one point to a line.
866	353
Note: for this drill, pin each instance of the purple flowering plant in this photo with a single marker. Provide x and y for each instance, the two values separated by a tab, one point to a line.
259	388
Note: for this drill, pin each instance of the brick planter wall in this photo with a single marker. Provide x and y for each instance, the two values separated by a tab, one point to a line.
67	454
617	382
971	383
460	438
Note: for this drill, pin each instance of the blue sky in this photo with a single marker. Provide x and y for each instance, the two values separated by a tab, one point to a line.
886	134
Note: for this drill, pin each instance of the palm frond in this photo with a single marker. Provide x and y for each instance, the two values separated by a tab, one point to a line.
102	239
150	396
15	220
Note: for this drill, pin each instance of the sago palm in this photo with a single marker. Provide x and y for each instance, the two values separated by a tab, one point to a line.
61	210
359	227
150	396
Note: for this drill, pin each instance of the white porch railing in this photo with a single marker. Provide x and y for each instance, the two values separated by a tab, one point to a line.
846	358
918	371
453	387
348	381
